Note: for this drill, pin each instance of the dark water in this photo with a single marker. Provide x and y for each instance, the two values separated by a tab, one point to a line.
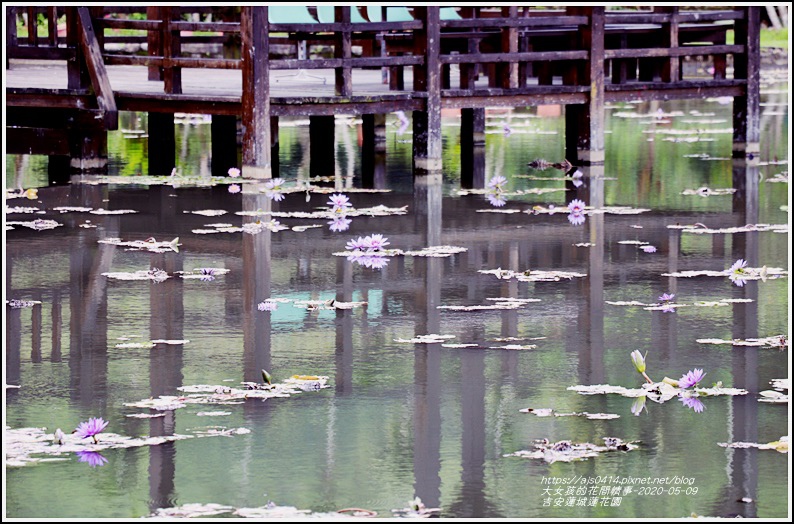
401	420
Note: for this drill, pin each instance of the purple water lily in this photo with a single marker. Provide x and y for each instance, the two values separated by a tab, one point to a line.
576	206
92	428
737	273
497	182
339	202
371	260
234	172
207	274
666	297
691	378
648	249
376	242
93	458
693	403
356	244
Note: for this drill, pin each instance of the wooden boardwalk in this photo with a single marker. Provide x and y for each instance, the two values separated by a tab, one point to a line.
64	93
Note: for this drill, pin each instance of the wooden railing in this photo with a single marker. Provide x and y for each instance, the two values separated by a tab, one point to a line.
513	45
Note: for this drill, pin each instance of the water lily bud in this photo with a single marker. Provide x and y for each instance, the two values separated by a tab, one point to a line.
638	360
59	436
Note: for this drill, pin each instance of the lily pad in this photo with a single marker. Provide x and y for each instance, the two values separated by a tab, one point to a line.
780	445
549	412
39	224
567	451
431	338
776	341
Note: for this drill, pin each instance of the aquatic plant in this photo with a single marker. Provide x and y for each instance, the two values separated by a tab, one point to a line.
496	183
92	428
576	219
648	249
339	203
207	274
738	273
691	378
234	188
375	242
639	363
639	405
234	172
576	206
496	199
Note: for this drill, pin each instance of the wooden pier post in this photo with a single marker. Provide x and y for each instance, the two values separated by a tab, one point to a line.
584	124
223	130
254	28
427	78
162	143
747	65
321	145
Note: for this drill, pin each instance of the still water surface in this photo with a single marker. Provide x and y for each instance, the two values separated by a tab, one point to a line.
401	420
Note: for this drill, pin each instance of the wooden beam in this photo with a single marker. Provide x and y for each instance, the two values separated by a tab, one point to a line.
427	124
96	69
172	73
747	66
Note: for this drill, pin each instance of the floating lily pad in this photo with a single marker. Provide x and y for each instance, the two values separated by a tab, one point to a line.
154	274
534	275
39	224
21	444
101	211
776	341
701	229
658	392
16	303
567	451
191	510
150	244
208	212
549	412
460	346
515	347
425	339
501	303
780	445
22	210
705	191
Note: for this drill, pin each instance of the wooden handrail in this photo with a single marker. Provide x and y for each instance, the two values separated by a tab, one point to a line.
96	69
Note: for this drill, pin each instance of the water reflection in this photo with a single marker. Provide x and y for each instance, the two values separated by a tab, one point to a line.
409	420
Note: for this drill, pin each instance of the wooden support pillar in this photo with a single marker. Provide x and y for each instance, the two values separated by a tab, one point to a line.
427	124
162	144
507	73
223	130
584	124
671	67
256	93
321	145
76	70
747	65
172	75
154	43
343	49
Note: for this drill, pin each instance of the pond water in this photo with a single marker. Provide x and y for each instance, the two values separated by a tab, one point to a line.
401	418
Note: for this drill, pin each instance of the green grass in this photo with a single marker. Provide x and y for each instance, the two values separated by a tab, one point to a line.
775	38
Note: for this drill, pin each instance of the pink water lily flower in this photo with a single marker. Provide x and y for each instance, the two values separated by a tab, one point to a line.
92	428
691	378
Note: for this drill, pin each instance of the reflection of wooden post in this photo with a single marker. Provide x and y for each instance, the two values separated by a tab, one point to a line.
321	145
472	148
747	65
35	330
162	143
256	93
223	130
57	326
